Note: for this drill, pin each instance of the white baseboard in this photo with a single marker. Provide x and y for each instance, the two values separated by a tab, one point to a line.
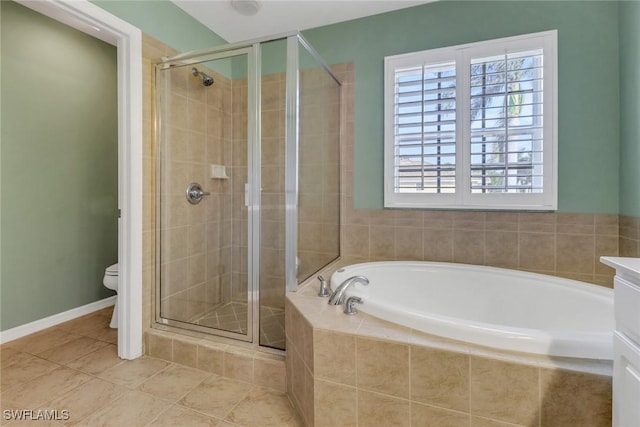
47	322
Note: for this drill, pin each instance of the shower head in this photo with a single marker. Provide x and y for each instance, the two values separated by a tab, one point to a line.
207	80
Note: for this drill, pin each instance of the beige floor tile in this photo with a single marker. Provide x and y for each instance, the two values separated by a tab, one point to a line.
104	333
87	323
43	389
98	361
27	368
264	407
72	350
9	356
216	396
34	422
43	340
132	373
132	409
86	399
177	416
174	382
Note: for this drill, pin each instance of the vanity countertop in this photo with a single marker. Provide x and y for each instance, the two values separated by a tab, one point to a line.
625	267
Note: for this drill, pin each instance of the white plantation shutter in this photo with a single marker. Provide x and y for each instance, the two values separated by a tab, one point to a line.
425	129
506	123
473	126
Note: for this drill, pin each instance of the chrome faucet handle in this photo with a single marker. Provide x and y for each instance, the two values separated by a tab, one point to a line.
349	308
325	289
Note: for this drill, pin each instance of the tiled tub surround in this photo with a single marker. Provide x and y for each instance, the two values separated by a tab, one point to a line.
359	370
629	236
559	244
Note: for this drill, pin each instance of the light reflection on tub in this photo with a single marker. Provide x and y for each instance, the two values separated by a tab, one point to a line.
495	307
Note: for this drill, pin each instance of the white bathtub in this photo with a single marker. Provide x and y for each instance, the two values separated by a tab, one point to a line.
495	307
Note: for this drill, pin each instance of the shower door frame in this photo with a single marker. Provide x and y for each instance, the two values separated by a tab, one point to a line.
251	188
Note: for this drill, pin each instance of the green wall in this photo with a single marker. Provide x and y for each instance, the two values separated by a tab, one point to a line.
59	166
59	153
630	108
164	21
589	146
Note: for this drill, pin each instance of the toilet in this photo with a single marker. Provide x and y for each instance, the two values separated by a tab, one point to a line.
111	282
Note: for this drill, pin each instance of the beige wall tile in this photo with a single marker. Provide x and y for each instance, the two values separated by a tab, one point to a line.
383	367
575	253
469	220
537	251
504	391
468	246
269	373
374	408
338	366
408	218
211	359
438	245
238	365
408	243
439	220
429	416
335	404
382	242
185	353
307	347
501	249
440	378
572	398
355	240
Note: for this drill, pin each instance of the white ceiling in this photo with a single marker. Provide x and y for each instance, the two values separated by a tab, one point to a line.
279	16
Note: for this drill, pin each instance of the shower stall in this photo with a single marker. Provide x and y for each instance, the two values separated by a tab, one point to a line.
248	188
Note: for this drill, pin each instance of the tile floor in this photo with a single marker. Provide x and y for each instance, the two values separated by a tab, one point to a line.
73	368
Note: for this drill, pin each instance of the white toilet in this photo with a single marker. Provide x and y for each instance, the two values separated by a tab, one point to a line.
111	281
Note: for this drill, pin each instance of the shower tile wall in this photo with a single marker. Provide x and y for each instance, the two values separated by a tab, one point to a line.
273	195
319	177
195	239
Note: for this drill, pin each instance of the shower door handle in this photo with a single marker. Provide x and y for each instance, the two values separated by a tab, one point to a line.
194	193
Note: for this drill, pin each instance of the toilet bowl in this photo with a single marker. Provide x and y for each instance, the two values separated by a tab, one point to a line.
111	282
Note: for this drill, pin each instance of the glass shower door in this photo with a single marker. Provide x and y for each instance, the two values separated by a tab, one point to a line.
204	281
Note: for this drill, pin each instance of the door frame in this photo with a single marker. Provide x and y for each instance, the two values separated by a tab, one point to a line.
96	22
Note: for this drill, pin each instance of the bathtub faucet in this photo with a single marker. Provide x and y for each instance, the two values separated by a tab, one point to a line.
338	296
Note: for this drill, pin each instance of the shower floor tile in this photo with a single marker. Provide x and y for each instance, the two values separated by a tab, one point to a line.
232	317
90	385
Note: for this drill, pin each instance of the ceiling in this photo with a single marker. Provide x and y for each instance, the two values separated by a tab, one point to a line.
279	16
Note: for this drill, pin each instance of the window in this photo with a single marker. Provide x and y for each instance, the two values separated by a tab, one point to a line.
473	126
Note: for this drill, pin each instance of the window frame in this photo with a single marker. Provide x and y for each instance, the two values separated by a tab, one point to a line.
463	198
